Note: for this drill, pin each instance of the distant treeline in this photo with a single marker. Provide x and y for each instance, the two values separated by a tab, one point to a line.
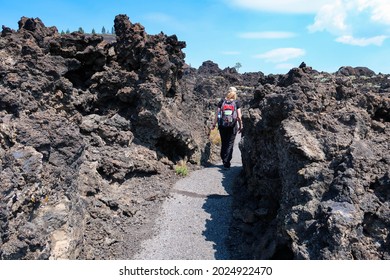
81	30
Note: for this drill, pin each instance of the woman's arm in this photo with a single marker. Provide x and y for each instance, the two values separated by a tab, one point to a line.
239	118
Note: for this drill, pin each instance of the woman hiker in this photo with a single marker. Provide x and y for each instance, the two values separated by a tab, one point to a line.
228	114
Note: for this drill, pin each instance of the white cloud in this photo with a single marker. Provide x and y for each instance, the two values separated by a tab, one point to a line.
281	54
267	35
163	21
159	17
284	66
380	10
331	17
362	42
281	6
231	53
355	22
366	22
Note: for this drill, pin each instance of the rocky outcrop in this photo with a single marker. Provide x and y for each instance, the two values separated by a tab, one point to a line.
317	165
89	133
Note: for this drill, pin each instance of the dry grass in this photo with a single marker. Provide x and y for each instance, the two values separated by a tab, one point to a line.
215	138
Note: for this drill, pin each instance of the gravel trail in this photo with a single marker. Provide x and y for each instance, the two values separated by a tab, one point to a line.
194	222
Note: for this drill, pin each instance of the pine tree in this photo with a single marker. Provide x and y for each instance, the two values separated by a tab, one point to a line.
81	30
93	31
238	66
67	31
103	30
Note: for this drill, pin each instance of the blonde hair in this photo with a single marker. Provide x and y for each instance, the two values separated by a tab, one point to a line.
232	93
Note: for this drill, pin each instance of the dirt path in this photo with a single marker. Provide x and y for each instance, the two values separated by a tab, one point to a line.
194	224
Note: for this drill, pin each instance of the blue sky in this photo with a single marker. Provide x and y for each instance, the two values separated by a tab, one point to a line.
271	36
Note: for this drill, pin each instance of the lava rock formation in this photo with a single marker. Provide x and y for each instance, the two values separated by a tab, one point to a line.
89	133
317	165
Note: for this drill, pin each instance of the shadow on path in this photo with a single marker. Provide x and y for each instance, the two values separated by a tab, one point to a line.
220	209
195	222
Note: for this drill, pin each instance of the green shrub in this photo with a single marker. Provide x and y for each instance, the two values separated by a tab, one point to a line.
181	168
